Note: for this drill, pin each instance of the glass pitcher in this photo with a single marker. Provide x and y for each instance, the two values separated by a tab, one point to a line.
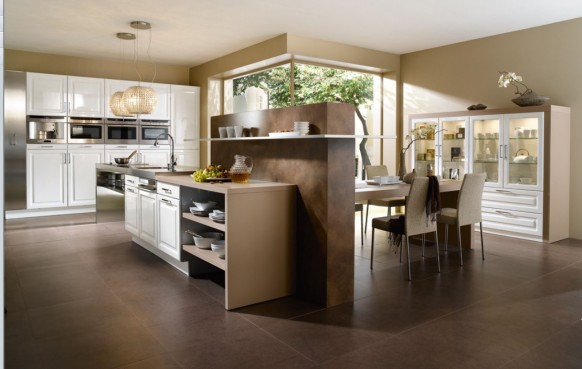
240	170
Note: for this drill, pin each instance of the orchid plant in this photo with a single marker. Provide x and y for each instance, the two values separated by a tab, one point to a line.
510	78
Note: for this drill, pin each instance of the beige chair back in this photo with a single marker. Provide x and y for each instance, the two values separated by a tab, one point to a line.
470	195
376	170
416	219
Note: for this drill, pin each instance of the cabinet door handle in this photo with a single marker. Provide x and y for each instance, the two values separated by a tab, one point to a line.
46	146
506	152
129	189
166	201
503	191
167	190
69	157
500	151
13	139
65	158
503	212
130	180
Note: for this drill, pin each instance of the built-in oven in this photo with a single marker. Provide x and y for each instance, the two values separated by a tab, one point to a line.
152	130
121	132
46	129
86	130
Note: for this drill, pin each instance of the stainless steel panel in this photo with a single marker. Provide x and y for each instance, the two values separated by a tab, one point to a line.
110	204
14	140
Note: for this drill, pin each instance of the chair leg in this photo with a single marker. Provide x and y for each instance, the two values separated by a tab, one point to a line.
408	258
362	227
436	243
372	251
367	211
401	246
423	244
481	231
446	238
460	246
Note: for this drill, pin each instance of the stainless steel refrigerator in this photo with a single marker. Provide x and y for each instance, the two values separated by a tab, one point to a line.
14	140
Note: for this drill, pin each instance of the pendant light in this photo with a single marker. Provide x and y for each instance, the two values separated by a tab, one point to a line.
140	99
116	101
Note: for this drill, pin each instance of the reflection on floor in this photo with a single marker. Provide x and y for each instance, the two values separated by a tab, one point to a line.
84	296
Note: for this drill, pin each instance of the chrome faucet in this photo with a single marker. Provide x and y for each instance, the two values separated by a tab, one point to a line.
172	164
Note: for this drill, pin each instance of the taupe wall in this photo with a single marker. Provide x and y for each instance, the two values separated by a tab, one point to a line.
453	77
99	68
279	49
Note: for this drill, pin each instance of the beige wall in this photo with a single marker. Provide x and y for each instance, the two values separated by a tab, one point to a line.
278	49
99	68
453	77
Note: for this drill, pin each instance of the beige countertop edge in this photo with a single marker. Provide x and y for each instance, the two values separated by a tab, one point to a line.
225	187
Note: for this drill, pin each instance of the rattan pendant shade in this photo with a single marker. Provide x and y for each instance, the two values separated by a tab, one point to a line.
139	100
117	107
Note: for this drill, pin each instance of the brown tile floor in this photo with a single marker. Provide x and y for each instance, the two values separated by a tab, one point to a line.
83	296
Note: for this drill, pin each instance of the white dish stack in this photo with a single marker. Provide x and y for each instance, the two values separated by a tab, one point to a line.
218	216
301	127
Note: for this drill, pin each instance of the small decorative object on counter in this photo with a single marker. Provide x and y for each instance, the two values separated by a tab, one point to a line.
527	97
408	178
240	170
477	107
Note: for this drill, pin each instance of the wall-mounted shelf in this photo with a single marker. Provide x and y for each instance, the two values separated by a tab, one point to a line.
306	137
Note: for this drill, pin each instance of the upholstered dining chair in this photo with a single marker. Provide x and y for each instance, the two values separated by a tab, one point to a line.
381	170
415	221
468	209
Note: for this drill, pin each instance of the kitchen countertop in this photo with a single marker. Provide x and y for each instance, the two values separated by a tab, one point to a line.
150	171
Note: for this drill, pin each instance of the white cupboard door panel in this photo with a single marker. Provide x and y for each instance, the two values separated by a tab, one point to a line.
188	158
520	200
162	109
169	226
514	222
46	94
46	177
147	217
159	157
86	97
185	116
131	210
82	179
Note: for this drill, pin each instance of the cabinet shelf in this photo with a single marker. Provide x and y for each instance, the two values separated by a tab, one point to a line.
208	256
523	138
513	163
486	139
486	162
205	221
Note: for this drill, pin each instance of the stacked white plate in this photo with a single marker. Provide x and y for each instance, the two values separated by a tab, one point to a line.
218	216
301	127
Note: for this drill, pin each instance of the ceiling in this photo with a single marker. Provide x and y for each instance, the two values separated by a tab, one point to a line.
191	32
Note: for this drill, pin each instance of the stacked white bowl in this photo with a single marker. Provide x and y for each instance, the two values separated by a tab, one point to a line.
301	127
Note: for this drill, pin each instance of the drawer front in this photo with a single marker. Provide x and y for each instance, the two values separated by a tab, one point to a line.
529	224
519	200
132	181
168	190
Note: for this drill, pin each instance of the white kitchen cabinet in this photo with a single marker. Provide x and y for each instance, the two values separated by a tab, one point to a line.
58	176
46	176
147	216
169	215
86	97
81	173
185	114
446	150
162	110
526	155
120	151
156	155
46	94
131	205
188	158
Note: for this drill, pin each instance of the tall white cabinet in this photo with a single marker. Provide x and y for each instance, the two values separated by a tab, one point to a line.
526	155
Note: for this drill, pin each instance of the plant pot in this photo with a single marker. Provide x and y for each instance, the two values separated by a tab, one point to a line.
530	99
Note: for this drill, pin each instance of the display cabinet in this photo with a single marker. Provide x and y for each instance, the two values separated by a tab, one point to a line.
526	155
445	150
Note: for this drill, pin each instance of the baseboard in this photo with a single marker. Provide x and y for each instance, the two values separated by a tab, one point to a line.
31	213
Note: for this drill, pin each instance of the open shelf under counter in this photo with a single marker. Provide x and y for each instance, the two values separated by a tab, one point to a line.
208	256
205	221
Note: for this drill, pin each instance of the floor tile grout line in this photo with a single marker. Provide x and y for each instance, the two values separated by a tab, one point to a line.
530	349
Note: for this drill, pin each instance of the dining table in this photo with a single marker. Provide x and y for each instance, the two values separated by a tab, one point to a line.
449	190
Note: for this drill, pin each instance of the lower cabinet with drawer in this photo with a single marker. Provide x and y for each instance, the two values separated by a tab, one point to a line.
169	217
516	213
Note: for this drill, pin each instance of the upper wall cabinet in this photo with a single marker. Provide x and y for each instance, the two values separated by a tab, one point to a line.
86	97
185	116
46	94
57	95
162	110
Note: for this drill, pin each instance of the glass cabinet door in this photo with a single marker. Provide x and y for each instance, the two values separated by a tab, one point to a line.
488	149
452	148
424	155
523	151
